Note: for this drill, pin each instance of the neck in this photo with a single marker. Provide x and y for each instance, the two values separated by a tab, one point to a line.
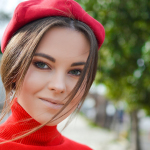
20	122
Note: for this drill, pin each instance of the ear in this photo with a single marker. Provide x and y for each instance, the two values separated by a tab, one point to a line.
14	80
14	85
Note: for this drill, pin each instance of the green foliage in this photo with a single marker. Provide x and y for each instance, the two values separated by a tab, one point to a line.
0	50
125	54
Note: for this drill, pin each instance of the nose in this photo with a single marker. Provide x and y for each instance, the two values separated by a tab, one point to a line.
57	83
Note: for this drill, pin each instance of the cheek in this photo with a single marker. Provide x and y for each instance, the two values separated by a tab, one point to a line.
70	84
78	97
32	81
76	100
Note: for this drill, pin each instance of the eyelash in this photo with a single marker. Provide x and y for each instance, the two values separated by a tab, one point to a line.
36	63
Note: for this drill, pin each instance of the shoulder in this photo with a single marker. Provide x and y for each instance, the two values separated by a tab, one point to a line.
75	145
66	145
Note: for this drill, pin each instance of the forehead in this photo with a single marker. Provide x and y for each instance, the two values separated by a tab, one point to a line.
64	42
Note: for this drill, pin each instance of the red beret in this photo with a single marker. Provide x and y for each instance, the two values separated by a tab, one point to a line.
32	10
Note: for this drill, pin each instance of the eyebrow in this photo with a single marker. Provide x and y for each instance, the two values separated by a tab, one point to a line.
45	56
54	60
77	64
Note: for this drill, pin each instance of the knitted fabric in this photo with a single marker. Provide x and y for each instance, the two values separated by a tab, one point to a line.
46	138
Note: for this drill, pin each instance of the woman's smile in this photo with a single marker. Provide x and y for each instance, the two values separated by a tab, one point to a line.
53	104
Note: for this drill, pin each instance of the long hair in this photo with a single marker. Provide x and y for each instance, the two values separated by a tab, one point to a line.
20	51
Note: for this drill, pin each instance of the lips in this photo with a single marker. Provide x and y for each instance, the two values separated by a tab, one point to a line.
52	101
53	104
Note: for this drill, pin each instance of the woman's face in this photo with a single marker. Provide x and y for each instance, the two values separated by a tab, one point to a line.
55	69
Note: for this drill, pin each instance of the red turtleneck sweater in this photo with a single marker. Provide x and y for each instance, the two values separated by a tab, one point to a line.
46	138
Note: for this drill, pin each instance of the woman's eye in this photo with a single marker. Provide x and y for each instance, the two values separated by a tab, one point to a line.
75	72
41	65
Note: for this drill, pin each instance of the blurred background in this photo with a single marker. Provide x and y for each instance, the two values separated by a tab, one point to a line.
115	115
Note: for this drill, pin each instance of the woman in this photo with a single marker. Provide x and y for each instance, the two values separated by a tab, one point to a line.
49	63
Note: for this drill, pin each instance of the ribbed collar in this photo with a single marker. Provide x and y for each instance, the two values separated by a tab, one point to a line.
20	121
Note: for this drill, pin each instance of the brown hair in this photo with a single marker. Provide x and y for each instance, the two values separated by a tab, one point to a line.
20	51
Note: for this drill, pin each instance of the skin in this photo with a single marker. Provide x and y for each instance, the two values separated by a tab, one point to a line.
53	73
